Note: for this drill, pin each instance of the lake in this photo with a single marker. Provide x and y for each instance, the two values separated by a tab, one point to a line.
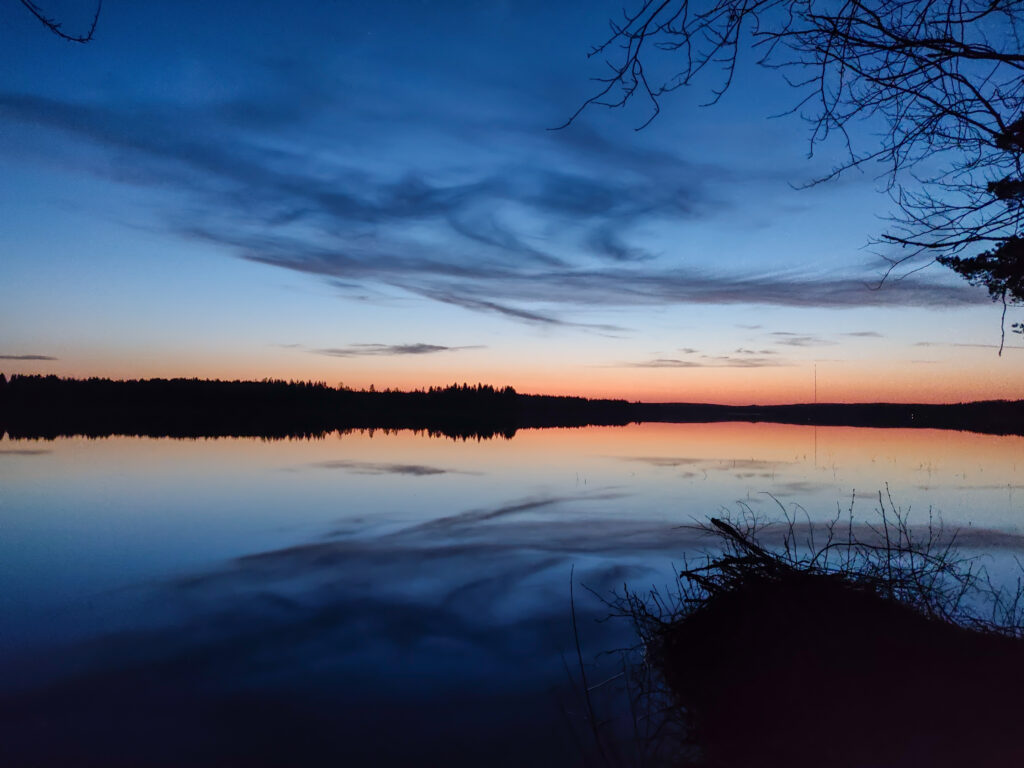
379	597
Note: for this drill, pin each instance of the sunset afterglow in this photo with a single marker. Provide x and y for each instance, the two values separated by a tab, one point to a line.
363	207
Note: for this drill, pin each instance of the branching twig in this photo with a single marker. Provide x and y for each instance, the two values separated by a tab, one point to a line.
56	27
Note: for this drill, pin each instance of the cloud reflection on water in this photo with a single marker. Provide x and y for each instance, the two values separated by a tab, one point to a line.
380	468
465	615
425	602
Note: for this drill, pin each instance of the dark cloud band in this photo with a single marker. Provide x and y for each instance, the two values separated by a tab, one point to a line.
373	350
530	241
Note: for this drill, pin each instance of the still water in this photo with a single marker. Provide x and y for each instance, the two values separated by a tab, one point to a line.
388	598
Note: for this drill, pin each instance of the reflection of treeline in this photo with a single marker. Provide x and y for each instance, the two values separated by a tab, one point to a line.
48	406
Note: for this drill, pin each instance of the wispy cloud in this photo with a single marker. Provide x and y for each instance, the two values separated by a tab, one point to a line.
27	357
483	305
801	340
607	242
864	334
533	238
709	361
961	344
663	362
526	315
372	350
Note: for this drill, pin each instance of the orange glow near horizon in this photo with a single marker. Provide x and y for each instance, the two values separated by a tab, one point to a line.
973	374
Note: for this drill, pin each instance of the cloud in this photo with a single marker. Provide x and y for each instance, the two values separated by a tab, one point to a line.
529	316
664	362
800	340
865	334
492	306
282	186
373	350
485	228
961	344
489	286
551	225
27	357
653	285
609	243
708	361
741	358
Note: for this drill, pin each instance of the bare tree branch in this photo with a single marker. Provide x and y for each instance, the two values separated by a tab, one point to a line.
56	27
937	84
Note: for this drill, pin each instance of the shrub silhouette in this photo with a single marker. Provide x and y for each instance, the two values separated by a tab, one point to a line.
873	648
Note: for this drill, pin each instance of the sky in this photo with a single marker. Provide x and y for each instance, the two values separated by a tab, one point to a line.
371	193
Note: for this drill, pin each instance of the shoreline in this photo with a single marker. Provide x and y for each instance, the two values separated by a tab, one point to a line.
47	407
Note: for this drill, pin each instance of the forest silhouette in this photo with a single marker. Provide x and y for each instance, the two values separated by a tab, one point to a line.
34	406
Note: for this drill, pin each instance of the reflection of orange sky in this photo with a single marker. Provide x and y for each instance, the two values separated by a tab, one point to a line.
678	472
913	449
892	453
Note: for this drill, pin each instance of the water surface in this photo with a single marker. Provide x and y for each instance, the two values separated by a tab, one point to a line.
377	596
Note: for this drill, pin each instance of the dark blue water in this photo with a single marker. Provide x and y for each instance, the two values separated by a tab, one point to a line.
392	599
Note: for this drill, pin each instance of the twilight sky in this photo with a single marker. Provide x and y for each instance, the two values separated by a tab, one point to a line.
368	192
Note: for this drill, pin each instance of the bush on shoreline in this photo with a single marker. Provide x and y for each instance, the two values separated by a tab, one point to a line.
870	646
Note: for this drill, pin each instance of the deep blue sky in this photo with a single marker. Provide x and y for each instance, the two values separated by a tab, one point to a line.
369	192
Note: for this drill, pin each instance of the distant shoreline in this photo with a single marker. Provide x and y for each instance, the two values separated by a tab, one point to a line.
998	417
46	407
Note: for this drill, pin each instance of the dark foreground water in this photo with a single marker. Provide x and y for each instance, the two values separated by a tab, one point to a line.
374	599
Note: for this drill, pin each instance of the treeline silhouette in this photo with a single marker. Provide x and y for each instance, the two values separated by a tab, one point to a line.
33	406
49	407
994	417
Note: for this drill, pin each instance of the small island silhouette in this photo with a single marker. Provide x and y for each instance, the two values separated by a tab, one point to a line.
35	406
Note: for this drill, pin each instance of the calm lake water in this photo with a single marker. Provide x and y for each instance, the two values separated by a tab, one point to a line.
390	598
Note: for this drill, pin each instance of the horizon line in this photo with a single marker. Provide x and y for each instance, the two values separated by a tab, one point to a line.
371	389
